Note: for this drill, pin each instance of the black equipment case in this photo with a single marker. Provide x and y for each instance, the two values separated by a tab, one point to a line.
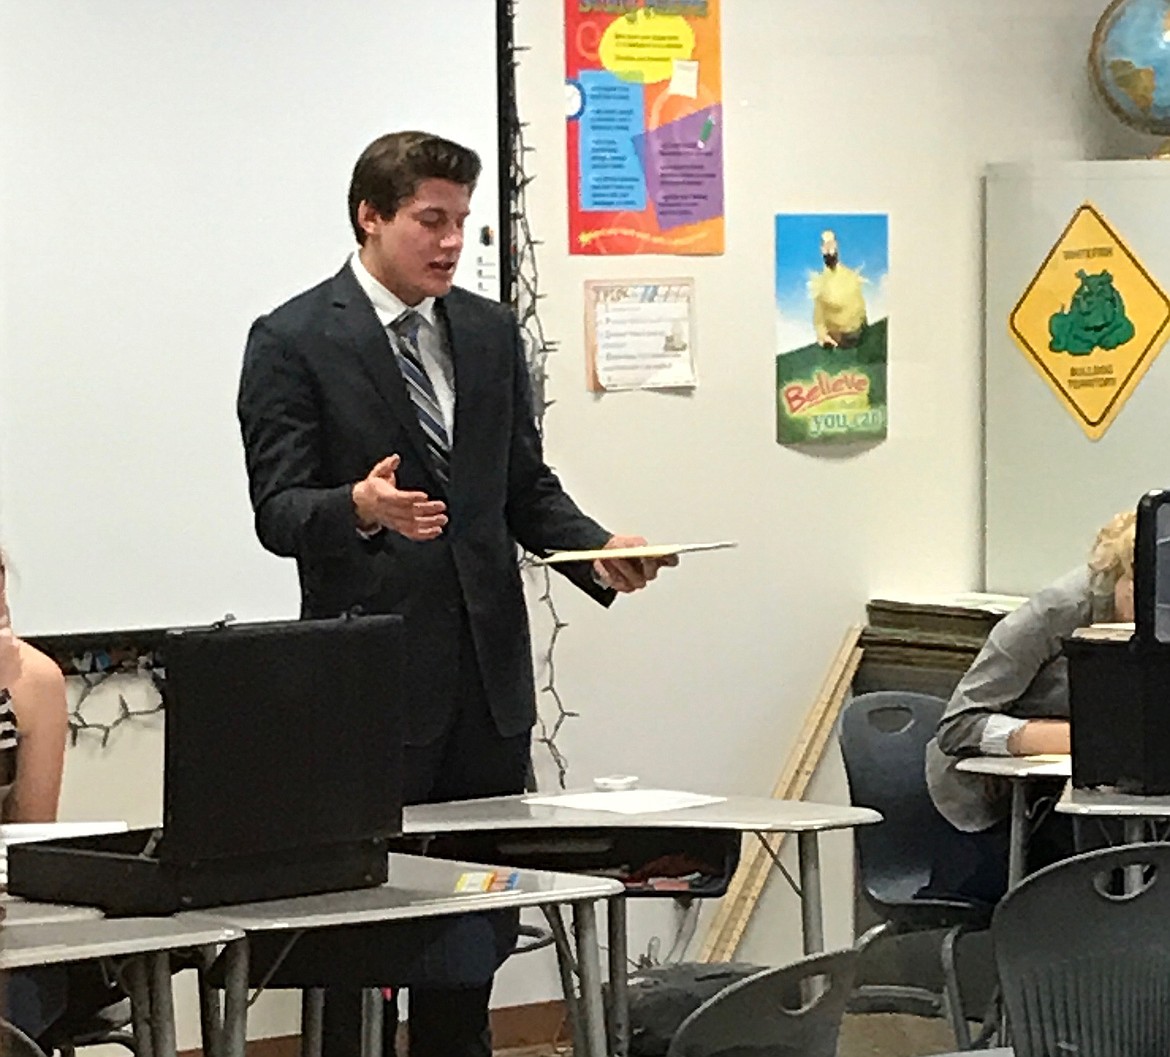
1119	683
282	775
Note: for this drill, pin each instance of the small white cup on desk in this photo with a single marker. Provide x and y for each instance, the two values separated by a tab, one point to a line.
615	783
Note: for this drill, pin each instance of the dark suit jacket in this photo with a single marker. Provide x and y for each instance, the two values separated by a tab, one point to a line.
321	401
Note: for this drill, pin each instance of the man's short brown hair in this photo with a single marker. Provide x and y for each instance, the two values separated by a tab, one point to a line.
391	168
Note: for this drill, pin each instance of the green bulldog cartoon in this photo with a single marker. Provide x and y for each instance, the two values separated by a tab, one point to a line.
1095	319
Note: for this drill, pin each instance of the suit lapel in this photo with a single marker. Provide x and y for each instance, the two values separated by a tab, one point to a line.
469	361
355	326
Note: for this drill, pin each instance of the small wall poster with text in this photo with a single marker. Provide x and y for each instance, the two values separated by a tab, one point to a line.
832	327
644	101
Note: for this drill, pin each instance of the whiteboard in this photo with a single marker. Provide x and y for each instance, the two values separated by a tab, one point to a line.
168	172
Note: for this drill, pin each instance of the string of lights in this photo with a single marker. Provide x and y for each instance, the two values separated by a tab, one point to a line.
525	296
93	670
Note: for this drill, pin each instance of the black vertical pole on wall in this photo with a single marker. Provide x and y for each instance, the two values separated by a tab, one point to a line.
508	116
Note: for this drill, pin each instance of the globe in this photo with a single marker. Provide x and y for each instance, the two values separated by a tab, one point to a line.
1129	63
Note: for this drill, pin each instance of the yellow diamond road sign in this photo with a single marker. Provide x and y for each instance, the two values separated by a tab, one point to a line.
1092	321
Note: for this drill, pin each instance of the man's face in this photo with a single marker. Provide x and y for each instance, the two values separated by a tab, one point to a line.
414	253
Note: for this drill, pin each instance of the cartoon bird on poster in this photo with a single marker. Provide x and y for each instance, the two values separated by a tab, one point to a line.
839	314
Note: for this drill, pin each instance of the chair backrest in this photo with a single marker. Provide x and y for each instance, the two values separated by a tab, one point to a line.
1083	953
793	1011
15	1043
883	743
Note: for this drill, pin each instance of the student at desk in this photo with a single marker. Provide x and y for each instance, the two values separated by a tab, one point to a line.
33	722
1013	701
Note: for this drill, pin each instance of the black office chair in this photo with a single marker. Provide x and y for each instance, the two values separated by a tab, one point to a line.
109	1026
1083	953
15	1043
793	1011
97	1013
883	742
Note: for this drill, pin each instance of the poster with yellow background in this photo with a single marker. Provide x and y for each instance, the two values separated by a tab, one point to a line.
1091	321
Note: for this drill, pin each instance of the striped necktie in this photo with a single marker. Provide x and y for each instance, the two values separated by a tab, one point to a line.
404	339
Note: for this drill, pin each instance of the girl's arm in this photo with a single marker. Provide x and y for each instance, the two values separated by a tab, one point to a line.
38	700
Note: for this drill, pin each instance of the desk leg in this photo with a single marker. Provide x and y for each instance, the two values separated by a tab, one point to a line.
1135	833
312	1020
811	916
138	986
1017	834
589	967
210	1008
567	969
235	998
162	1005
372	1013
619	995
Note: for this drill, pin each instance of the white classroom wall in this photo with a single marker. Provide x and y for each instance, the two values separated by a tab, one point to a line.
703	682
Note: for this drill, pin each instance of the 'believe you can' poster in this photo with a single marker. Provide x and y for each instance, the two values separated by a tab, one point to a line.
832	327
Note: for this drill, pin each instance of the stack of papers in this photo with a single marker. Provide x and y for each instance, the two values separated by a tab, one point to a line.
1109	632
626	801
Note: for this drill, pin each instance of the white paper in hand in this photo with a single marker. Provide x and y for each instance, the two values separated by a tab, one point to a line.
646	550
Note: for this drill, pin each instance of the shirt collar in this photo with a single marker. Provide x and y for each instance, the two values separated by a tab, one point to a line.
388	305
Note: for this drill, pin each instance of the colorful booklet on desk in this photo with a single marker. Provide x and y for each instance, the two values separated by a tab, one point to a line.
647	550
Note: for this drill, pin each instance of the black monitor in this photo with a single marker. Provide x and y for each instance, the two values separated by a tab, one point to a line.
1151	569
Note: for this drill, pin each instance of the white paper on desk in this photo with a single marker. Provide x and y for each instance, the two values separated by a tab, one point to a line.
648	550
1054	764
23	832
627	801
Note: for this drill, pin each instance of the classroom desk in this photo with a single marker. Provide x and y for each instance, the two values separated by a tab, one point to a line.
49	935
1019	770
739	814
514	817
417	888
1133	810
17	911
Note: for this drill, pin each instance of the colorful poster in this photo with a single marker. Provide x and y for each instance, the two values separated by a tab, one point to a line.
832	324
645	126
1092	321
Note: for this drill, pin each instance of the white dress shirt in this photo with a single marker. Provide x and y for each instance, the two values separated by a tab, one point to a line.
432	345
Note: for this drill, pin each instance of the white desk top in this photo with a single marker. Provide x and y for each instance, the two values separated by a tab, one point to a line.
1110	802
1054	766
418	888
77	939
744	814
16	911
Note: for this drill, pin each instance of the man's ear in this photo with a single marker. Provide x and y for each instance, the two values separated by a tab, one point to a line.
369	219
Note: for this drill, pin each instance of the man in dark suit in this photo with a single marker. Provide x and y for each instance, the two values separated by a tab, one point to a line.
391	450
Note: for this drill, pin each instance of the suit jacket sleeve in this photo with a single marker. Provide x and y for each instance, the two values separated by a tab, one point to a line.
296	511
1016	651
541	516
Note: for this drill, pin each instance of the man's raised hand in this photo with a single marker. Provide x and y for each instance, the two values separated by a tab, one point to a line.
379	502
